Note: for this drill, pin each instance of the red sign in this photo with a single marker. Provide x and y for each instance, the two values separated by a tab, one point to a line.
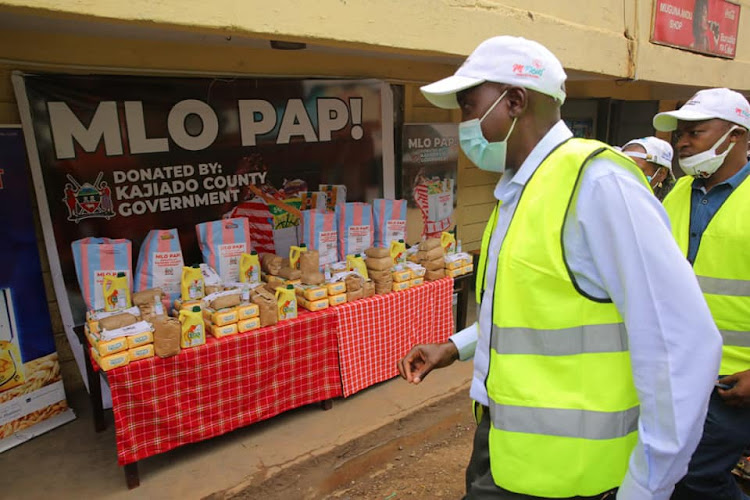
705	26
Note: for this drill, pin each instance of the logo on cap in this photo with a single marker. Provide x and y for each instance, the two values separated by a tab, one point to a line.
533	70
742	113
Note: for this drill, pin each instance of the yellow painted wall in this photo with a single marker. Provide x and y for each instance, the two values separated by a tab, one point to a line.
609	37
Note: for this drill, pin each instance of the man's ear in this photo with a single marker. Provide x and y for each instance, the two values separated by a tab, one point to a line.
518	101
738	135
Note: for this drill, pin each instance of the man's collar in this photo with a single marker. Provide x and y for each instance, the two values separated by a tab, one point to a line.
558	134
732	182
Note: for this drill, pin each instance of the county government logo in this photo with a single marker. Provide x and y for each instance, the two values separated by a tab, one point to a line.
87	201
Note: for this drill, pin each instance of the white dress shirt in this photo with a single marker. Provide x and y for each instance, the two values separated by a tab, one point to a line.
619	246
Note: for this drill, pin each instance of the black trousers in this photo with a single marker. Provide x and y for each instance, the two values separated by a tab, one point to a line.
479	482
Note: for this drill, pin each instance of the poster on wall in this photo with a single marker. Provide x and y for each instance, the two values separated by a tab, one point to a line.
118	156
32	397
429	168
704	26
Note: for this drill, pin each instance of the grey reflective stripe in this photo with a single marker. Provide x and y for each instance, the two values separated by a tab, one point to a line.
735	339
611	337
582	424
718	286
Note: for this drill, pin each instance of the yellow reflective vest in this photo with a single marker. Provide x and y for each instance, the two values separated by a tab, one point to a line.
559	383
722	266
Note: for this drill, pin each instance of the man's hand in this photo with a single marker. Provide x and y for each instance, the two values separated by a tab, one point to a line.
420	361
739	394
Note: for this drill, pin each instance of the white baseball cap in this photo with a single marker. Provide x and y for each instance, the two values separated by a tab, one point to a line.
707	104
502	59
657	151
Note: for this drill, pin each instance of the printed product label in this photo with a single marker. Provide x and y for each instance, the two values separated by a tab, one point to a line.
167	269
194	336
229	260
99	287
358	239
327	247
394	230
440	206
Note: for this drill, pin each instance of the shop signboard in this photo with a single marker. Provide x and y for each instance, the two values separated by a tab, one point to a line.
429	165
32	397
117	156
704	26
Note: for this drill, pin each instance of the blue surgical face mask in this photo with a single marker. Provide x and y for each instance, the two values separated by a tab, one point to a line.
486	155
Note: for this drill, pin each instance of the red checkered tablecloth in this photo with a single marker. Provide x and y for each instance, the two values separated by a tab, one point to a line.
160	404
375	333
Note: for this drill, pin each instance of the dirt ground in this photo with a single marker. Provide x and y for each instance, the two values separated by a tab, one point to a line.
434	469
422	456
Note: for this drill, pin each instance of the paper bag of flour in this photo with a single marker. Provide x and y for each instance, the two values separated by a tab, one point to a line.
355	228
160	263
222	243
96	258
389	218
319	232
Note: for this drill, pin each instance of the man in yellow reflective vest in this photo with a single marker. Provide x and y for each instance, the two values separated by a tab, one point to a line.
594	349
710	213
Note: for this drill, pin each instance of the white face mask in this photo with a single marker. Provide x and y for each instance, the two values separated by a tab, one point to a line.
706	163
486	155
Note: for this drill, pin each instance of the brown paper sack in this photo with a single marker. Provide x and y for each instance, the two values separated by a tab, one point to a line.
353	283
377	253
226	301
269	315
148	312
147	296
379	264
380	275
213	289
433	254
166	336
434	265
415	257
270	263
313	277
356	295
117	321
430	244
434	275
368	288
290	274
309	262
383	289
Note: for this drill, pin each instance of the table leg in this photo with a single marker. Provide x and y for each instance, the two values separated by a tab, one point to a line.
131	475
95	393
463	303
326	404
